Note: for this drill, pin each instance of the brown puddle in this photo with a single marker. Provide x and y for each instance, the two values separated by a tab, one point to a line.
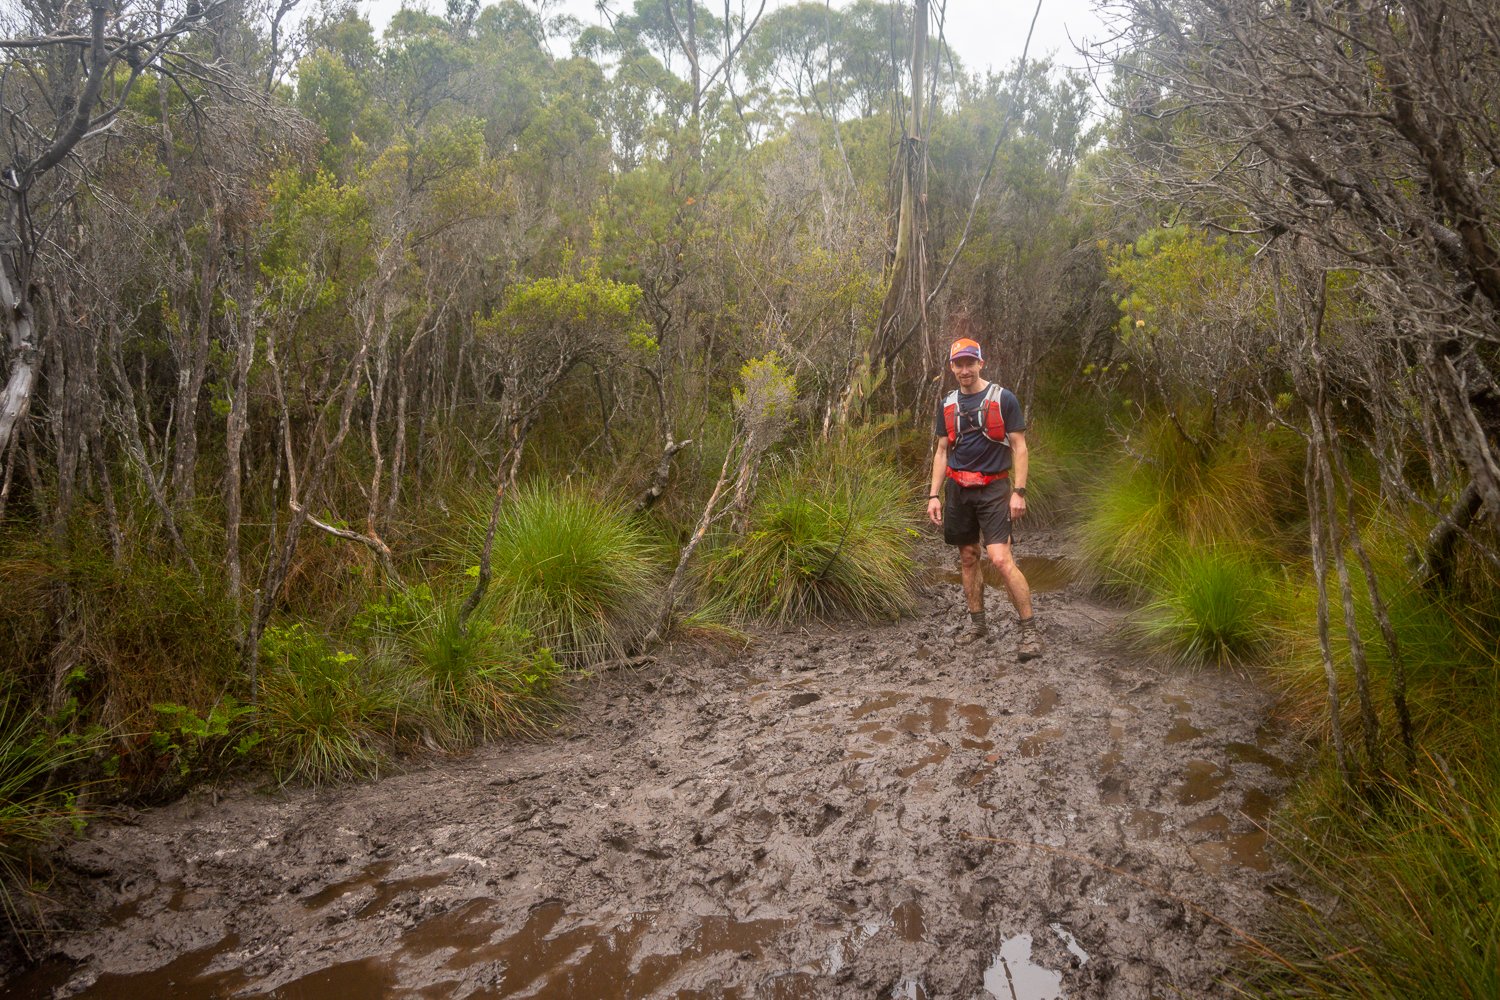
1257	805
1245	850
1033	745
909	921
370	876
977	719
935	719
940	752
1147	823
887	699
1182	730
1046	701
1044	574
1249	753
1202	781
181	977
369	977
585	960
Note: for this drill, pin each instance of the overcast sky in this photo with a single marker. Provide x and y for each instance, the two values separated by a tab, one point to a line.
986	34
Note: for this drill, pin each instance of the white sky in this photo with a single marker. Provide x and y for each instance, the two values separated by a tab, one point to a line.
986	34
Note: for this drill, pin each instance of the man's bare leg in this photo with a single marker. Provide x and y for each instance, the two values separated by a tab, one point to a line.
1019	592
973	579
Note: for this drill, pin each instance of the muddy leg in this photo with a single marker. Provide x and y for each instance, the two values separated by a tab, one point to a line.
1016	586
973	577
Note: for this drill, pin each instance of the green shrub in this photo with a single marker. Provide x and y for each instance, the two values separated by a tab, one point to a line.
830	536
190	746
1212	605
326	714
1239	487
486	681
37	803
573	571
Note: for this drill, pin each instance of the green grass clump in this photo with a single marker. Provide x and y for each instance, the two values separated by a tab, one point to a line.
830	536
1212	605
574	571
1414	885
326	714
480	682
1162	492
36	804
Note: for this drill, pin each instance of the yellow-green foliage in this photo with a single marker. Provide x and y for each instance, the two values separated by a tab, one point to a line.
1174	278
764	399
1164	493
592	306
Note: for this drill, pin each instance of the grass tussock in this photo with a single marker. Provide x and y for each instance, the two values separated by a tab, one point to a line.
36	807
1194	525
1165	492
1414	881
326	714
1213	605
828	536
574	571
467	684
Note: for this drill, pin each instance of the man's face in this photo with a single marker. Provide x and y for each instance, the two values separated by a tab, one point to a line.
966	370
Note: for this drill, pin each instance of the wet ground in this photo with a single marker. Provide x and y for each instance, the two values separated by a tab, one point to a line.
837	811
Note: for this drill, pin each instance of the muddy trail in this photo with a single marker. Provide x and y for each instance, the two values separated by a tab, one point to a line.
836	811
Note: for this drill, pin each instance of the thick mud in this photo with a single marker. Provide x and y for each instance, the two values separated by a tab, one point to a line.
839	811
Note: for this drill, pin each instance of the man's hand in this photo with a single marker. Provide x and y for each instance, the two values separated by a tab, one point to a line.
934	510
1017	506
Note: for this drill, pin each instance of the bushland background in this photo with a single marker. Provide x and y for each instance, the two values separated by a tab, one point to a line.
363	392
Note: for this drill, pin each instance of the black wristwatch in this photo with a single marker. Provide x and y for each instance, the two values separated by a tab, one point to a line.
1020	491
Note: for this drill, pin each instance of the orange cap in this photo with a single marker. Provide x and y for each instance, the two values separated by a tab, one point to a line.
965	348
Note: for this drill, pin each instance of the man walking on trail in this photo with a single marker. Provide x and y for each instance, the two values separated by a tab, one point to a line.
979	487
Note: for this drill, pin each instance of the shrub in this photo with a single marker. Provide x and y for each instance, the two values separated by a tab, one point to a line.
36	805
831	535
487	681
189	746
326	714
573	571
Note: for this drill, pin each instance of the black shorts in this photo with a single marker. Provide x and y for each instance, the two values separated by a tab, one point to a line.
970	510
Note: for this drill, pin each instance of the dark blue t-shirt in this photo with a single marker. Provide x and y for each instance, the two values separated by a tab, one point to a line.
973	452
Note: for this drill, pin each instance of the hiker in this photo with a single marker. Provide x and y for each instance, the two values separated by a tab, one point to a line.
981	454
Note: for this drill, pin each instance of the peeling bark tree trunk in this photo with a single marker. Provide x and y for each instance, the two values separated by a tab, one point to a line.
1369	720
1320	575
906	297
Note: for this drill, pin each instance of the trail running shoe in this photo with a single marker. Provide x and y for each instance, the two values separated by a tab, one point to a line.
1030	646
971	635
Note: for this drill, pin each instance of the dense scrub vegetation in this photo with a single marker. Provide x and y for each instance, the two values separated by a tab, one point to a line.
364	392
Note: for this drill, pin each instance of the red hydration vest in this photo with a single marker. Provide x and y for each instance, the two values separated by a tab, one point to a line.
991	422
991	425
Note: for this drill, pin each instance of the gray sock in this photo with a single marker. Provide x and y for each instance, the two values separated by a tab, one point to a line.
976	618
